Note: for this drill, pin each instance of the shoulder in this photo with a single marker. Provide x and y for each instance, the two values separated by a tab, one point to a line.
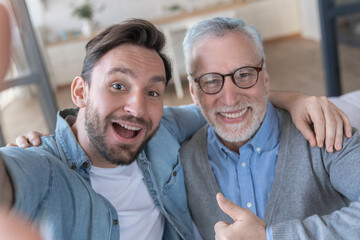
197	142
185	111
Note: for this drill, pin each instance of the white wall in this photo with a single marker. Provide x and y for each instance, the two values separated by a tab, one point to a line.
310	22
55	16
273	18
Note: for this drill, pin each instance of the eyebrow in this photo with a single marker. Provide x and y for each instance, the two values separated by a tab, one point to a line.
123	70
129	72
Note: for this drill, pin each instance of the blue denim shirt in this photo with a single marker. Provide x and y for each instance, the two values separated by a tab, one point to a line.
52	184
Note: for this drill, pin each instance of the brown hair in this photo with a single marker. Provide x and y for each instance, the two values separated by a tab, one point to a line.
134	31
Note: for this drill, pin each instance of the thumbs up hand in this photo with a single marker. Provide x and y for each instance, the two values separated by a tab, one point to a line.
246	224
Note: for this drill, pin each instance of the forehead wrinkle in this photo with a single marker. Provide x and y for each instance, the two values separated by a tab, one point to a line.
156	79
123	70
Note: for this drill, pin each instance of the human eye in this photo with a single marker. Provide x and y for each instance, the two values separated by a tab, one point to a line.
245	74
118	86
211	80
153	94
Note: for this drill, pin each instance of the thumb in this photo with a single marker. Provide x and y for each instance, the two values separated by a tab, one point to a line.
228	207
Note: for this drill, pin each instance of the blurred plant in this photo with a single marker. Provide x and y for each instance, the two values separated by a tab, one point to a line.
174	7
84	11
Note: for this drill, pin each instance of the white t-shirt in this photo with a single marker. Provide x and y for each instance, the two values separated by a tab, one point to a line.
124	187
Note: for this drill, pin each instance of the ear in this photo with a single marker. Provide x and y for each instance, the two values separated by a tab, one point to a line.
192	91
79	91
267	83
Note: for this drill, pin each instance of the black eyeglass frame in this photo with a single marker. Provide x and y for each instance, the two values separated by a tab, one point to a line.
257	69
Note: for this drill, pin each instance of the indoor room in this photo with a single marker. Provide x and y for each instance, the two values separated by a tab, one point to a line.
49	38
110	146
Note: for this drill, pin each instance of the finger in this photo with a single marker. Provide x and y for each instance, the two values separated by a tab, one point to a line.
346	122
219	228
319	127
228	207
331	123
339	136
316	116
22	142
308	134
11	145
34	138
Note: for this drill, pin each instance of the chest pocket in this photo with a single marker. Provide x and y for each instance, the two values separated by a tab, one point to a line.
175	190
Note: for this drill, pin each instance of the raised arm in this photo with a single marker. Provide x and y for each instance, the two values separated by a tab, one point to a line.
6	189
311	113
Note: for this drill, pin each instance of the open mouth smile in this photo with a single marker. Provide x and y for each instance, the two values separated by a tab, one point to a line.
126	131
233	115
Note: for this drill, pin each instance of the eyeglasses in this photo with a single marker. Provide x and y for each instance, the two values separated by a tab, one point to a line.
244	77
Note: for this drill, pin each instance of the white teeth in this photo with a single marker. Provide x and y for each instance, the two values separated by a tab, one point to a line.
130	128
234	115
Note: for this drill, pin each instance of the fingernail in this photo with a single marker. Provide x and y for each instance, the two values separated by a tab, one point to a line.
35	142
320	145
339	146
349	133
330	149
23	145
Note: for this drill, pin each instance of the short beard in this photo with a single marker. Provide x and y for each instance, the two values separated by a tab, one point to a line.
241	133
97	137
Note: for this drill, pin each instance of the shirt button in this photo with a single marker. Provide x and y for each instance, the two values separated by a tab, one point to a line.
73	167
258	149
243	164
249	204
115	222
174	173
85	164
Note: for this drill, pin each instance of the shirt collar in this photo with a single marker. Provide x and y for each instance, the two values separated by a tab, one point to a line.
65	138
265	138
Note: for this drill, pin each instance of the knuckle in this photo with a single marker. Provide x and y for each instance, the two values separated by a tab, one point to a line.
313	99
332	123
324	99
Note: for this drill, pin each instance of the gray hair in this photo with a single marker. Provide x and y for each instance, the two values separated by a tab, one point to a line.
217	27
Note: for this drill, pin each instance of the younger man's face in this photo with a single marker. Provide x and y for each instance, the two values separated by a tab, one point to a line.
125	102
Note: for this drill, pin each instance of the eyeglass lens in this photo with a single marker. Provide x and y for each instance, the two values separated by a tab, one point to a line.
243	78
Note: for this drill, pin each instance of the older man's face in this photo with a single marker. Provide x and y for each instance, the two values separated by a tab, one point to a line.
234	113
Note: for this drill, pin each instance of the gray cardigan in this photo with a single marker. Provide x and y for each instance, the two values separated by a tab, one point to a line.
315	194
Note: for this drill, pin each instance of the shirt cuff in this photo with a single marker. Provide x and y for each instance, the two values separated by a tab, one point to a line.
268	233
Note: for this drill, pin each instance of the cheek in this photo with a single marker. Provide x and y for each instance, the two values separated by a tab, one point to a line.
104	103
209	101
155	111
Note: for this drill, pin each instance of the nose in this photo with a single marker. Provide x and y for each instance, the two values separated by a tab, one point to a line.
136	104
229	91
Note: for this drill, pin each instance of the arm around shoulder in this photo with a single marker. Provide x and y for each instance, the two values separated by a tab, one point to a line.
183	121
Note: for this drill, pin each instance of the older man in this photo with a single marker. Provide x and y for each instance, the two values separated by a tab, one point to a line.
253	153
